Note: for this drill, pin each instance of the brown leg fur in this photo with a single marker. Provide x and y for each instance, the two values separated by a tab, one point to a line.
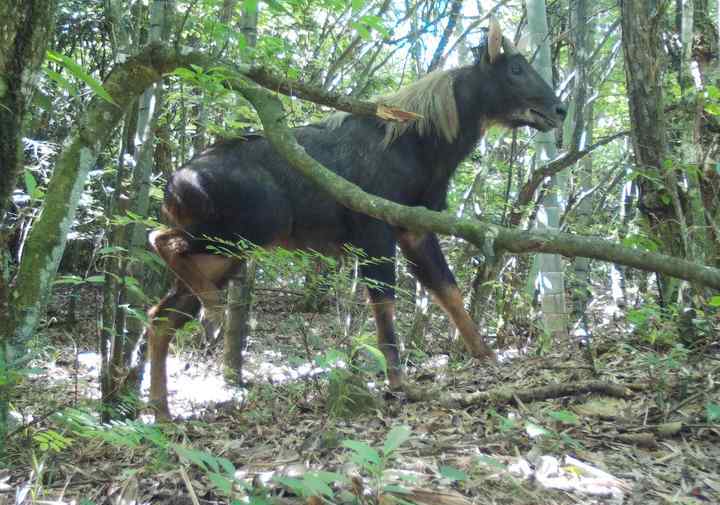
173	311
200	278
384	311
200	272
450	299
429	266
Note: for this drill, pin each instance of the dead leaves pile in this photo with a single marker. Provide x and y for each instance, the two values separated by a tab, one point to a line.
630	427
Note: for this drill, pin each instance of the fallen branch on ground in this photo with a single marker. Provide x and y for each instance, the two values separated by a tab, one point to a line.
505	395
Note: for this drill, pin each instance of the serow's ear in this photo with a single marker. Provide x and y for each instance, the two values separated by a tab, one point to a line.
494	40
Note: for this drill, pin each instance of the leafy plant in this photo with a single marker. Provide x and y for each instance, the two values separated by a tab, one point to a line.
51	441
313	484
712	412
654	324
79	73
452	473
219	471
374	461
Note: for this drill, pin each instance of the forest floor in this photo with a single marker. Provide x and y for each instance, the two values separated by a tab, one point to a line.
634	425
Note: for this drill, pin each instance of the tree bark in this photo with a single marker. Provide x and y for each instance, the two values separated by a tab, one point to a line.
645	66
237	321
580	132
240	288
46	241
128	330
26	27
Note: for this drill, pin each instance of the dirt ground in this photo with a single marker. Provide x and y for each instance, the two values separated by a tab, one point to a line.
632	425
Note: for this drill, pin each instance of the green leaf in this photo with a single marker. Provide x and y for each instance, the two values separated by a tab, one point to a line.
111	250
490	461
565	417
640	242
185	73
137	313
317	486
221	482
30	183
713	108
134	286
394	488
713	412
194	456
453	473
376	354
69	279
363	450
357	5
507	424
638	316
362	30
330	477
713	91
296	485
78	72
714	301
397	436
61	82
227	466
95	279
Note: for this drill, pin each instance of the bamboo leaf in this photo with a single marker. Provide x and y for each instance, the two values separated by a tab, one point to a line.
397	436
78	72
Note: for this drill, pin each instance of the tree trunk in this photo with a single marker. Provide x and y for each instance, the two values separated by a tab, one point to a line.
581	122
645	65
26	27
150	105
551	275
47	239
237	321
240	287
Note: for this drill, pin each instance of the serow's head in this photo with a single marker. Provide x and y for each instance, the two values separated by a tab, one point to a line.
519	96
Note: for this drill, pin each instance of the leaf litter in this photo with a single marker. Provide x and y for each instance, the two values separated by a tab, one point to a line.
509	442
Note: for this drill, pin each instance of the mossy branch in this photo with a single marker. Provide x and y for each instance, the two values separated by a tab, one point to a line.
352	196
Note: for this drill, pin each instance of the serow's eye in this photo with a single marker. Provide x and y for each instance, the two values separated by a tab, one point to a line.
516	69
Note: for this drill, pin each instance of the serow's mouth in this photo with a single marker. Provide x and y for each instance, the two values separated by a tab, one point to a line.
545	123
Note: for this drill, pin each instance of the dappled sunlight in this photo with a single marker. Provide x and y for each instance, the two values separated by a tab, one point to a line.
193	384
197	383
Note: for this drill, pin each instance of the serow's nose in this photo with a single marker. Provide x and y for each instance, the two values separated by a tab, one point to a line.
561	110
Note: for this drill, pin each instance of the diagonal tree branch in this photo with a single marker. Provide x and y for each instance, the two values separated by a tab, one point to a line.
318	95
503	239
548	170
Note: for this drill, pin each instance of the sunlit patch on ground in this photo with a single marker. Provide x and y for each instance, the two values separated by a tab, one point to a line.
195	384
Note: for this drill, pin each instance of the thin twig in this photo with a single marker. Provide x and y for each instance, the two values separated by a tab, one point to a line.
189	486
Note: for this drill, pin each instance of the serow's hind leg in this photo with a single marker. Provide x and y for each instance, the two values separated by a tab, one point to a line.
201	276
179	306
200	271
427	263
379	243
